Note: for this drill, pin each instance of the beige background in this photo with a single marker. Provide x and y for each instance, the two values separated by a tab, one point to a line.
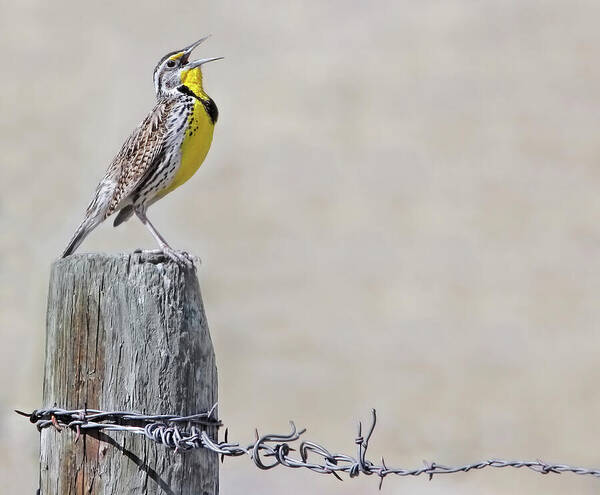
400	211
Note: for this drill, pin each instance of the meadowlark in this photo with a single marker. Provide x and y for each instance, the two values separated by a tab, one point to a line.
162	153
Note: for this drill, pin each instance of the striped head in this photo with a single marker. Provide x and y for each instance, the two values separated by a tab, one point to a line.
175	70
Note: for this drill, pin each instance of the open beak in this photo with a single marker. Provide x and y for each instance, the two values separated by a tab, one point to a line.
196	63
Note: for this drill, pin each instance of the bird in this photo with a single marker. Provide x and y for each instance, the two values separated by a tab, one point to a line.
162	152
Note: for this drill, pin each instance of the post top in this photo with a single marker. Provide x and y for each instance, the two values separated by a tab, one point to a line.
136	257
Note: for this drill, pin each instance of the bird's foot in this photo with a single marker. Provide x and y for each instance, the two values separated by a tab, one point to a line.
182	258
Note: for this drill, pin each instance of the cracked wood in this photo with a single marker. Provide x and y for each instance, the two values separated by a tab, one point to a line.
126	332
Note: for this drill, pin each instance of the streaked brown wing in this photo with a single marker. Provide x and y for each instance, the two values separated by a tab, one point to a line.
138	156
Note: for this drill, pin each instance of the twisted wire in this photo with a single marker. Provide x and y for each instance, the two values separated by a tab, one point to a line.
183	433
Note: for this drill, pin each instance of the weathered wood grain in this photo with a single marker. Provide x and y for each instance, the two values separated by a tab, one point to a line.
126	332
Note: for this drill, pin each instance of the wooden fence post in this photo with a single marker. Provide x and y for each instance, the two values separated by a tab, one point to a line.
126	333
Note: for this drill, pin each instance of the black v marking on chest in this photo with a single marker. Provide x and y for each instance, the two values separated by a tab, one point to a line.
209	105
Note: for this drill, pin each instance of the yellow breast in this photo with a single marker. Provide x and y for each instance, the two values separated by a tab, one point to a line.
195	146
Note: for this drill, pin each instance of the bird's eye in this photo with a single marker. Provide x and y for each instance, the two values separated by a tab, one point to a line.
171	63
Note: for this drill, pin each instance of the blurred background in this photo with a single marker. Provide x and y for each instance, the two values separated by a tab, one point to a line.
400	210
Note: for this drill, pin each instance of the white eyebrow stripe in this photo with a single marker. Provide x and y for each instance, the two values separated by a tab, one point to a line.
158	74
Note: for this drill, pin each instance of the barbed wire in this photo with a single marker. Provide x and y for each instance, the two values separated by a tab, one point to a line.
184	433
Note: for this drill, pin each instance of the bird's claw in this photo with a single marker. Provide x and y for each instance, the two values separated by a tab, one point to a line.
182	258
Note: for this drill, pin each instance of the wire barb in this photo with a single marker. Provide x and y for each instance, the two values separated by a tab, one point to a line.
196	431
